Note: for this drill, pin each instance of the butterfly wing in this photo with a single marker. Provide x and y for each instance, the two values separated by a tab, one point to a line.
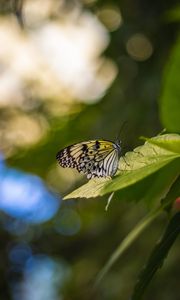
97	158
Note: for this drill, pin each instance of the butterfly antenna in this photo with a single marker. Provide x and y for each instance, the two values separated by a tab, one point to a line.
120	130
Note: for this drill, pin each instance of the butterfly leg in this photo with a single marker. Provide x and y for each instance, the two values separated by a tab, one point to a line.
123	157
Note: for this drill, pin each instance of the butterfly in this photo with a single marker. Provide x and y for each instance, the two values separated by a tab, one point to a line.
96	158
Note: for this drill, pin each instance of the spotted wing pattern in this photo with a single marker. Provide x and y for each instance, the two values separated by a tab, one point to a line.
97	158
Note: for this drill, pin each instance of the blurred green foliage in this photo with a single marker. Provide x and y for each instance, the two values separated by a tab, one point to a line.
170	98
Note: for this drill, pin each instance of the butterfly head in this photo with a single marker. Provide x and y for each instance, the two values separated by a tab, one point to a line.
118	146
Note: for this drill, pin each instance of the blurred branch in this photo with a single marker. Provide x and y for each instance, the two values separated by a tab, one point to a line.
157	256
17	9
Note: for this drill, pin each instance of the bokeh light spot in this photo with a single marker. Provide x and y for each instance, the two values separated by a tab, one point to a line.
19	254
68	223
110	16
43	279
139	47
25	196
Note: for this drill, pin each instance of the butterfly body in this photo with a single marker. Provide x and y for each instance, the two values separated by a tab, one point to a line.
95	158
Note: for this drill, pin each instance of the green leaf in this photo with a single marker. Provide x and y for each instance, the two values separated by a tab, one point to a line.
170	98
160	183
157	153
157	256
126	243
173	143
